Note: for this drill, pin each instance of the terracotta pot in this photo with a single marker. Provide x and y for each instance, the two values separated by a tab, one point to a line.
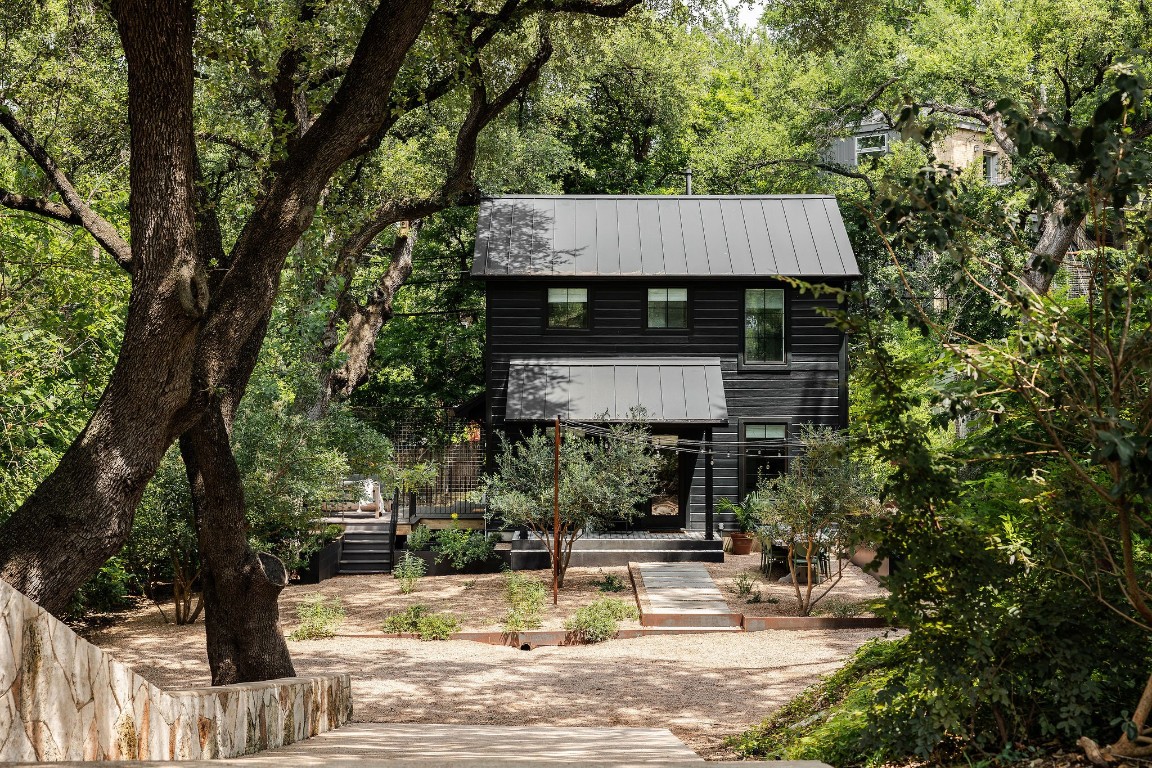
741	543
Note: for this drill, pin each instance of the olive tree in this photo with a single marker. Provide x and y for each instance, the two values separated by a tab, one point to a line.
603	481
817	507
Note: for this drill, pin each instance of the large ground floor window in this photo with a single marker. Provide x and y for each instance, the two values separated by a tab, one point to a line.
765	453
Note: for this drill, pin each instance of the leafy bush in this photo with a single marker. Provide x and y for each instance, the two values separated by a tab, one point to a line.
109	590
417	619
319	617
460	546
408	571
609	582
598	621
526	599
420	538
842	608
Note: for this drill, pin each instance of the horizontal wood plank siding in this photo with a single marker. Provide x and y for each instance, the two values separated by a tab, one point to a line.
809	390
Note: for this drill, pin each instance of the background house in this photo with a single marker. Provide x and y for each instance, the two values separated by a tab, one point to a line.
598	304
967	143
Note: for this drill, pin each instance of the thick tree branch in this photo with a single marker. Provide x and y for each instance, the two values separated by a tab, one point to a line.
104	233
39	206
833	168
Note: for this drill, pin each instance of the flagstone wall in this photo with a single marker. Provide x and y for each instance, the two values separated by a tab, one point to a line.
62	698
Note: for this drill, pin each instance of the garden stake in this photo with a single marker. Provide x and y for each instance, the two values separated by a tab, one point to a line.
556	521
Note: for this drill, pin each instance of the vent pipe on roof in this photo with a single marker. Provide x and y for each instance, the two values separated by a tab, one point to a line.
688	180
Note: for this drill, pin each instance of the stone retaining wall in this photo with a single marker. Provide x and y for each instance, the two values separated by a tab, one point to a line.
62	698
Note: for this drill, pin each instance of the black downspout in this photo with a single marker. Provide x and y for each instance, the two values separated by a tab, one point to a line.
709	526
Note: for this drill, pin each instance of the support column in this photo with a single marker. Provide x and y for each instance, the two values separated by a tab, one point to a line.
709	506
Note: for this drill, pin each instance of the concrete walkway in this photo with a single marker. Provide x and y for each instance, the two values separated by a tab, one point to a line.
503	744
680	595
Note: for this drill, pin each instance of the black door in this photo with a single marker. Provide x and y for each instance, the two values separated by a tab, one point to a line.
666	510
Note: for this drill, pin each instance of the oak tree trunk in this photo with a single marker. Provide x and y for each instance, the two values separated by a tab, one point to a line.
1058	233
241	588
82	513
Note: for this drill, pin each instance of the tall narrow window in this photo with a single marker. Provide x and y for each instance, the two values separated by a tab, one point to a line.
567	307
667	307
764	325
765	453
991	168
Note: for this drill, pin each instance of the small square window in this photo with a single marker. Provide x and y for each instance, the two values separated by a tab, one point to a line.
667	307
567	307
764	325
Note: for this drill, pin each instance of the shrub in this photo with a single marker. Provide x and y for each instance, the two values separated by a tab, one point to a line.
526	599
609	582
420	538
417	619
743	583
460	546
597	621
841	608
108	590
319	617
408	571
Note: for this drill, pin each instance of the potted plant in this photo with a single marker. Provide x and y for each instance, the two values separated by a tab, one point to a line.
746	516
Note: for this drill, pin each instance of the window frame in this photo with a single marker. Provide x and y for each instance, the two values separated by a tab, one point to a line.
990	168
546	315
687	309
858	152
757	365
745	444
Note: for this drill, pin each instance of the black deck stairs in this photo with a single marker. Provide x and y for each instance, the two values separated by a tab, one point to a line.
367	547
608	550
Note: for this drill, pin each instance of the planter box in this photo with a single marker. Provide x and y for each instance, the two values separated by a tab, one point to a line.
324	563
492	565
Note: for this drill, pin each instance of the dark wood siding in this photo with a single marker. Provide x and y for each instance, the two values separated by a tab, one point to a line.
810	389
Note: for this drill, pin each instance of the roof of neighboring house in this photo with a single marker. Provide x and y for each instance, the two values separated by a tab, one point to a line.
687	390
663	236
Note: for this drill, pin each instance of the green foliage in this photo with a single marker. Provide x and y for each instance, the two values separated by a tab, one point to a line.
420	539
830	720
109	590
418	620
526	598
743	583
408	571
609	582
602	481
746	512
319	616
461	546
598	621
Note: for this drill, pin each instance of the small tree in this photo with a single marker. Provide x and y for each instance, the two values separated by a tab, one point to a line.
602	481
818	505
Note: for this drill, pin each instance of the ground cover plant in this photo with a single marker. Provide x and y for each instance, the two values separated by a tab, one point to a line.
610	582
526	596
320	616
599	621
419	620
408	572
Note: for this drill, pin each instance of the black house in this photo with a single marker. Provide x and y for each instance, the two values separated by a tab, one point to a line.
598	304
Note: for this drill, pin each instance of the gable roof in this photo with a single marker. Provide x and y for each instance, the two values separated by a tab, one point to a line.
664	236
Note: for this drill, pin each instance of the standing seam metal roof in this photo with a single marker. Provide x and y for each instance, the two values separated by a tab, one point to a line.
666	236
669	389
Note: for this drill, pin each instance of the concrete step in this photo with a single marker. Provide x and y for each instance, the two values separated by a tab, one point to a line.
498	745
630	545
537	559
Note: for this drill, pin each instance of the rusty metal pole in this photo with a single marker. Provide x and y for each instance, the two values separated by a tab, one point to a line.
556	520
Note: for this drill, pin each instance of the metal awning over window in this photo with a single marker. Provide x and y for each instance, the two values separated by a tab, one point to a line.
671	390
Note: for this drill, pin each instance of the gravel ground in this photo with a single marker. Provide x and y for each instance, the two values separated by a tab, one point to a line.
477	601
854	587
703	687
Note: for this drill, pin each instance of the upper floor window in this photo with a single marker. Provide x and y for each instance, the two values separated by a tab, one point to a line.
871	145
764	325
567	307
667	307
991	168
